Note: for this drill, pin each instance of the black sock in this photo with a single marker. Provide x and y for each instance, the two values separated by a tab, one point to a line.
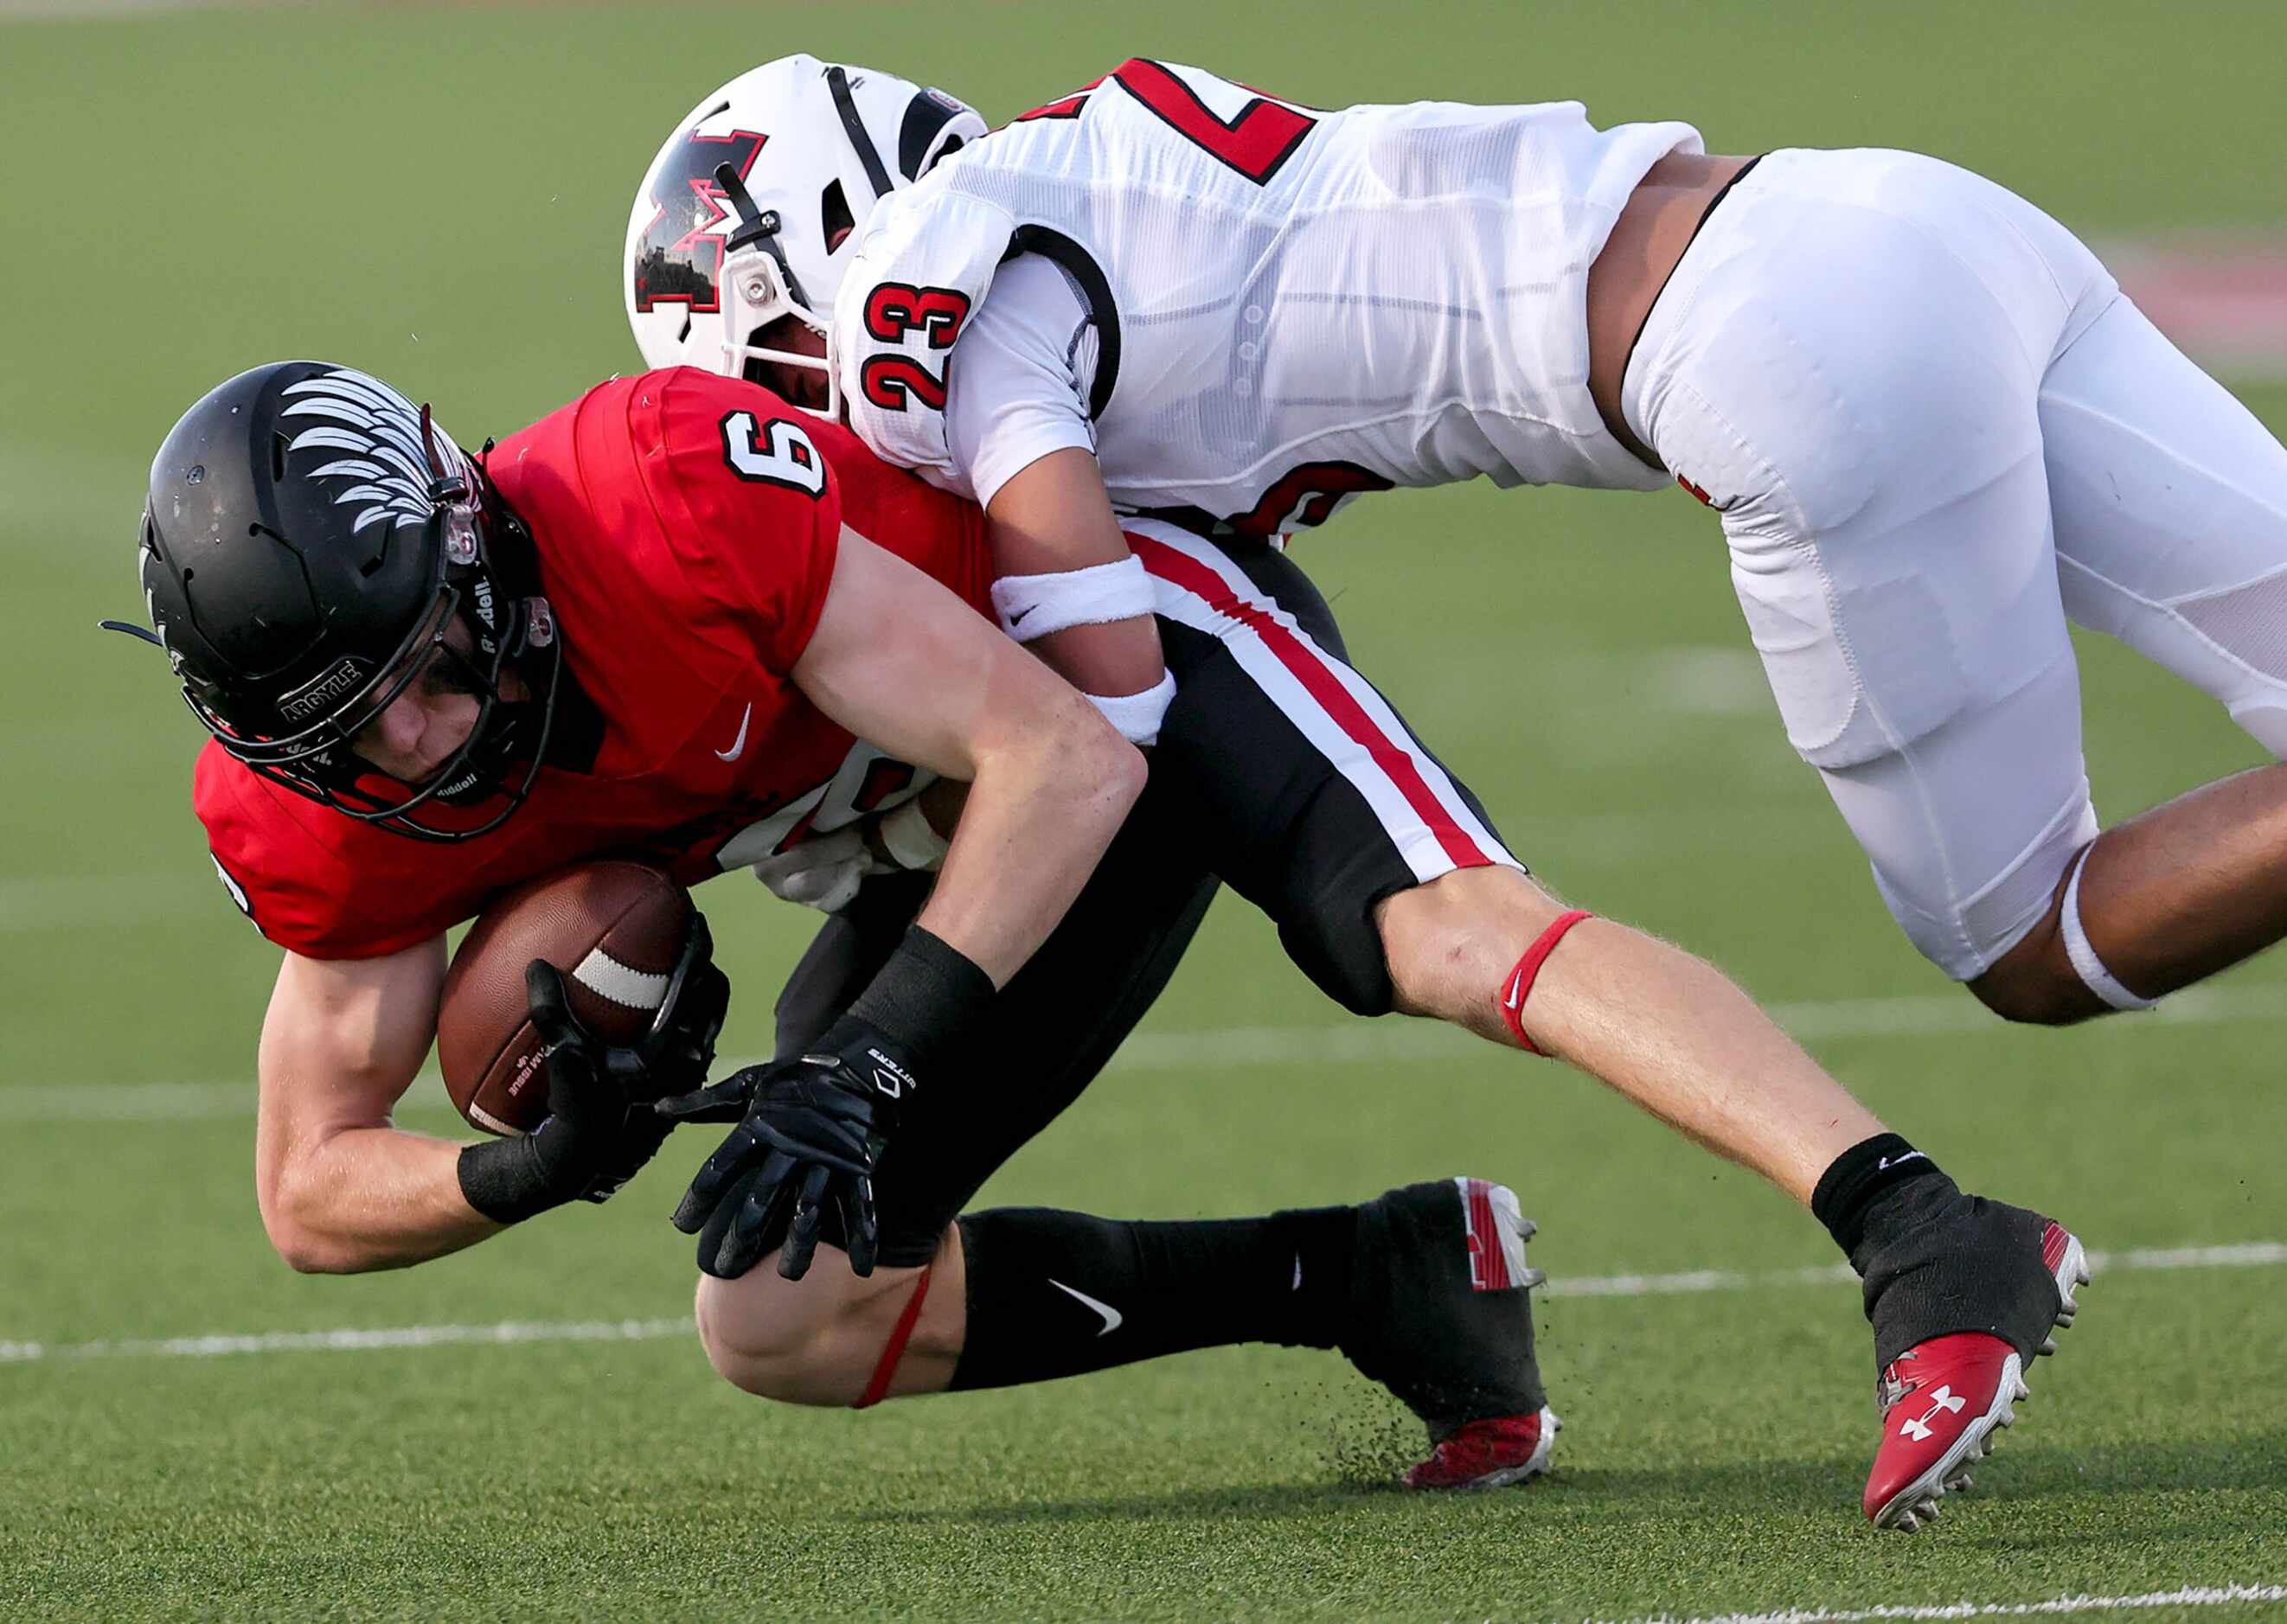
1055	1294
1849	1196
1452	1346
1934	1261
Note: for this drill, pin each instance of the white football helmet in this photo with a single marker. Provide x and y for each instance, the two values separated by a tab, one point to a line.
746	215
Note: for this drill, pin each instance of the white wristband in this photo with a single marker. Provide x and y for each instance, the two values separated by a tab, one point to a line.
1033	606
1138	716
908	836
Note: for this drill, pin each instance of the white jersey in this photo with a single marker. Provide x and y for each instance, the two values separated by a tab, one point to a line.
1279	306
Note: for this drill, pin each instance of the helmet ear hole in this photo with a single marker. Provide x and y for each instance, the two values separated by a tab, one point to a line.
834	208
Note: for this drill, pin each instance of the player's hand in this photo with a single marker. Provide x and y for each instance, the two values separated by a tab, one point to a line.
810	1131
599	1132
822	872
679	1051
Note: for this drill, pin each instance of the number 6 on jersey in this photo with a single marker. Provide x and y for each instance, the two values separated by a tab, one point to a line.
775	452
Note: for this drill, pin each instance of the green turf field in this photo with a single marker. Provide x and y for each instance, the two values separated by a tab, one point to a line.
437	195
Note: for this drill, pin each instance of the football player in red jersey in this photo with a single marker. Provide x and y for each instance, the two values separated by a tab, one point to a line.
627	628
640	627
377	653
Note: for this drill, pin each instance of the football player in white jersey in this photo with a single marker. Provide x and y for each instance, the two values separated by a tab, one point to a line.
1934	431
749	219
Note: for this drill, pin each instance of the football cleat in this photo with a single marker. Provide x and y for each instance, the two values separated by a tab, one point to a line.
1944	1402
1485	1454
1443	1318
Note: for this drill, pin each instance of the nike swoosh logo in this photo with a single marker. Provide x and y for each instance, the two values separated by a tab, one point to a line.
1516	995
1111	1316
1887	1162
739	744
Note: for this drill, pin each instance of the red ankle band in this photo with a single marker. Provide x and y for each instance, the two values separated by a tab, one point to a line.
878	1388
1512	994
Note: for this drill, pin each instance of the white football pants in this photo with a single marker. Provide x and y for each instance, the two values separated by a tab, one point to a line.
1935	431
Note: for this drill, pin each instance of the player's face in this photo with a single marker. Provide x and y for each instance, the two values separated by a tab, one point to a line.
801	386
434	716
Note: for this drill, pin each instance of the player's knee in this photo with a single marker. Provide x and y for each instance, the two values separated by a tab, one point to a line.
2034	983
1449	943
768	1336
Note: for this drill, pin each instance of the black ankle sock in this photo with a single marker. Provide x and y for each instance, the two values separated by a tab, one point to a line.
1055	1294
1848	1199
1932	1260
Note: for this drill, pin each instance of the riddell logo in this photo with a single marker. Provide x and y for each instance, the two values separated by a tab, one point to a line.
341	679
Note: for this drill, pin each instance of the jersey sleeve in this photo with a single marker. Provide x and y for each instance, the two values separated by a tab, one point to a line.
754	511
1027	363
923	266
358	900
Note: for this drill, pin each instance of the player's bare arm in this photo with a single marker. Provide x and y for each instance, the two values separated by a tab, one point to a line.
1053	517
898	660
342	1189
1050	779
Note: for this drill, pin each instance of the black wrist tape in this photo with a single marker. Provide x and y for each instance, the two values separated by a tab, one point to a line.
1848	1189
504	1179
925	996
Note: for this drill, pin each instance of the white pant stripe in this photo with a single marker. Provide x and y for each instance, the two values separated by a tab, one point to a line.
1409	829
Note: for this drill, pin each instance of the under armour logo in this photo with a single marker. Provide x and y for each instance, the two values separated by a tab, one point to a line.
1918	1428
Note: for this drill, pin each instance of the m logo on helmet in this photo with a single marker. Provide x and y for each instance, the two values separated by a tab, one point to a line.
320	695
681	259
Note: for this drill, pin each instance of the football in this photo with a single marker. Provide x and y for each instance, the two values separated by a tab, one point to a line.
615	929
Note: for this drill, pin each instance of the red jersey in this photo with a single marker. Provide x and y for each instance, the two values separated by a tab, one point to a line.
687	530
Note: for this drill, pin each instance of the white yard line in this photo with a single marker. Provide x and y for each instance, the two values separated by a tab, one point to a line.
351	1340
2191	1596
1362	1043
2252	1254
2243	1255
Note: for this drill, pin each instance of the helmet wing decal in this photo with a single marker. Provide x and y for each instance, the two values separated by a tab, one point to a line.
387	466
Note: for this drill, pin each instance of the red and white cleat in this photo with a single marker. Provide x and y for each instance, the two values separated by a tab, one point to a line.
1484	1454
1945	1400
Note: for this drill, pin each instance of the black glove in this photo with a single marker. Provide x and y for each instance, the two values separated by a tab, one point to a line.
599	1129
809	1132
679	1050
811	1129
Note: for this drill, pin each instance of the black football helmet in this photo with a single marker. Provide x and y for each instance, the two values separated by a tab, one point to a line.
309	540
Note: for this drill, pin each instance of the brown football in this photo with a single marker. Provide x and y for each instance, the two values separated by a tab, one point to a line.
615	929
